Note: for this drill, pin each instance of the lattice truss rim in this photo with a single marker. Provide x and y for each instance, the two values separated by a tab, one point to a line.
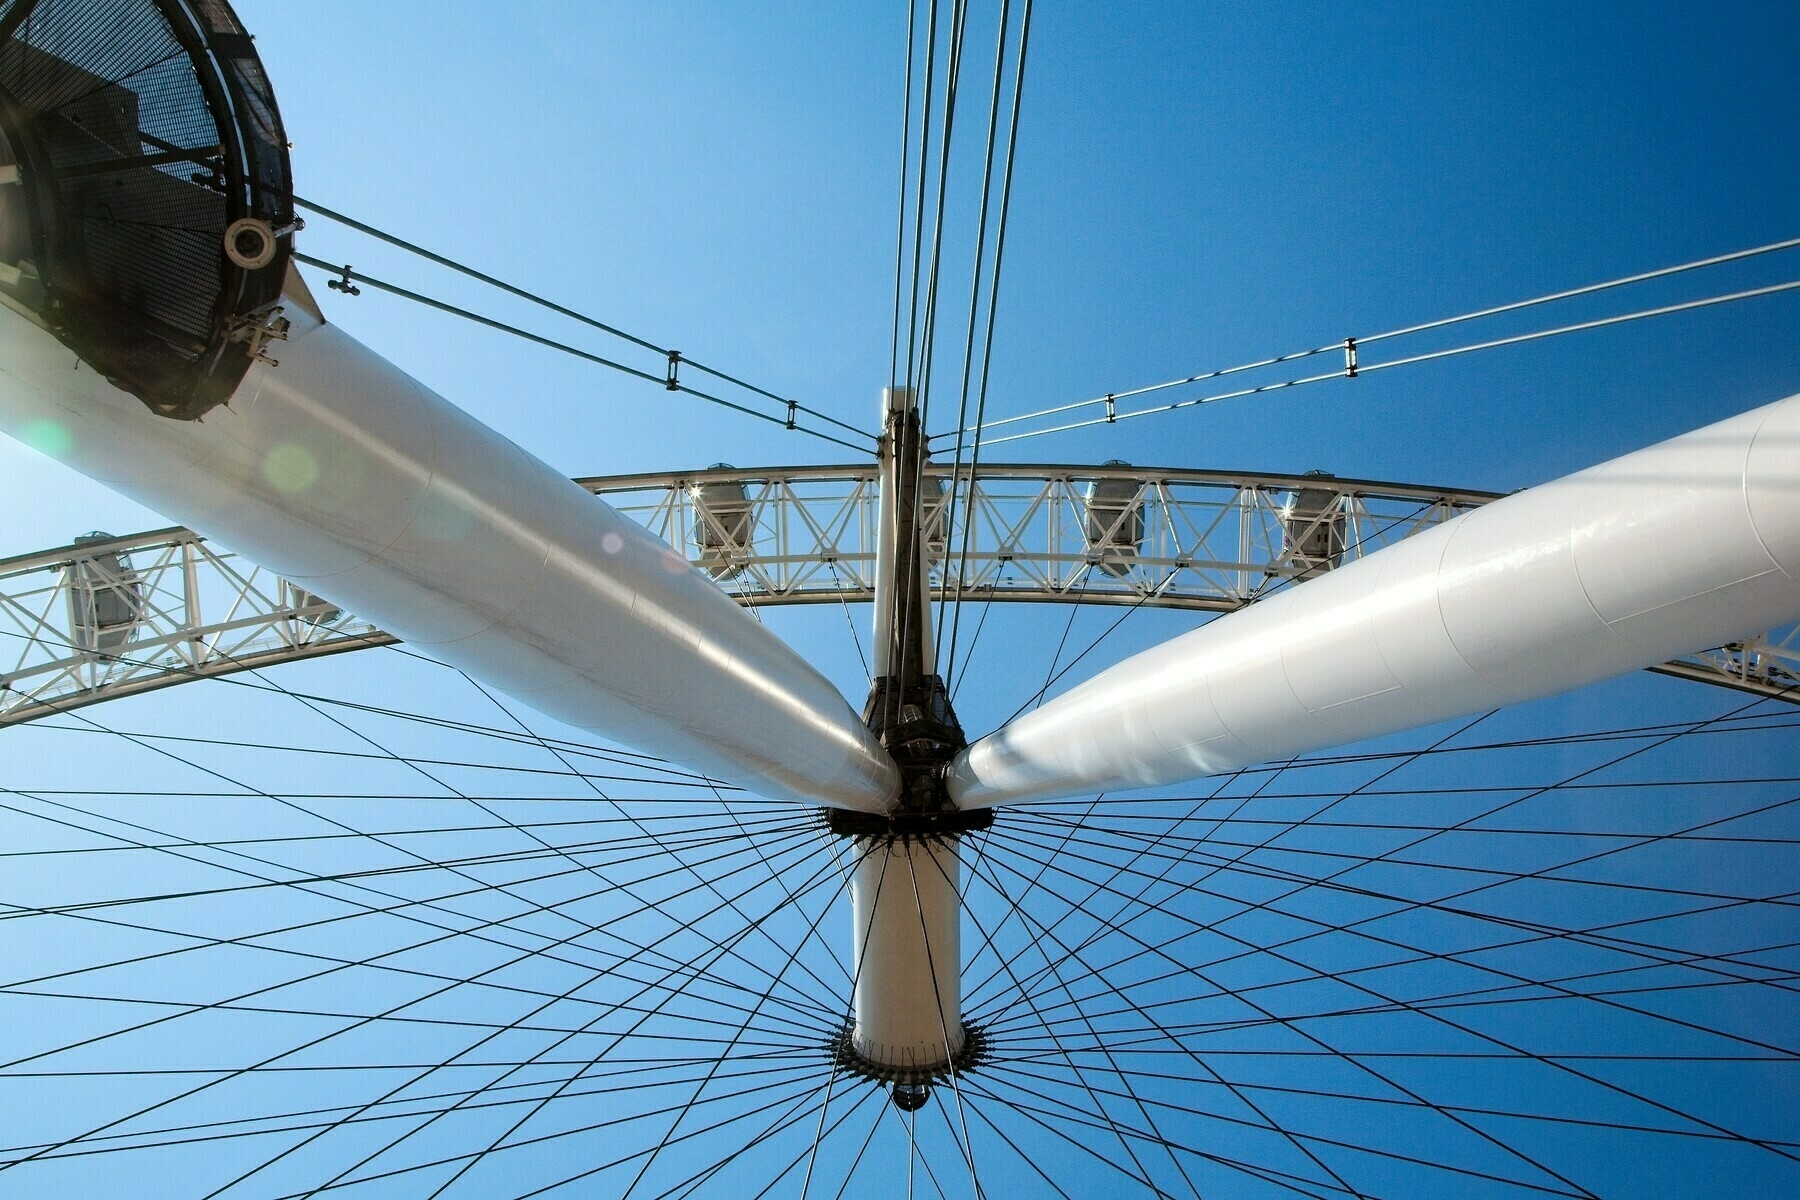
110	617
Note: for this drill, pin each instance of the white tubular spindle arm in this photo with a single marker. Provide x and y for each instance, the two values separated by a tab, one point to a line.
1689	544
343	474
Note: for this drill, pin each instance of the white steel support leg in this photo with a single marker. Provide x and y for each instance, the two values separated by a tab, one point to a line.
908	955
346	476
1689	544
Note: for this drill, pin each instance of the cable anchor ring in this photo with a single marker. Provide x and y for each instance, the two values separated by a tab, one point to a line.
250	242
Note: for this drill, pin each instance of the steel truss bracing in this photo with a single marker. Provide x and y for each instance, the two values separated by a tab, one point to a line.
115	616
1204	539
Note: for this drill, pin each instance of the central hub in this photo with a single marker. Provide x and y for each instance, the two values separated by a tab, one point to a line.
913	721
907	826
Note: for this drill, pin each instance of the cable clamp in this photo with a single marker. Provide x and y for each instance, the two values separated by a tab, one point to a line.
344	285
793	408
673	380
1112	411
1350	358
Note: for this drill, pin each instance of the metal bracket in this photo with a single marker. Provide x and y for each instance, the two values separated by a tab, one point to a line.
903	825
673	381
260	328
344	285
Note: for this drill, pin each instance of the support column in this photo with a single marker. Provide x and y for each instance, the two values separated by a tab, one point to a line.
908	956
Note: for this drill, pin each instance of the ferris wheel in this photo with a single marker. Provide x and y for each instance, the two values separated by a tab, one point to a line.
805	950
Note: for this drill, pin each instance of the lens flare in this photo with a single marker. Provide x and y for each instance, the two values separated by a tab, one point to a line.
290	468
47	437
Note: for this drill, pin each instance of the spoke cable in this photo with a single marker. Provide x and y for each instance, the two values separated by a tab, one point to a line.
442	306
1111	399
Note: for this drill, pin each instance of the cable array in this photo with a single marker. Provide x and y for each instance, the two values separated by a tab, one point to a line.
674	360
993	299
928	202
492	998
1350	348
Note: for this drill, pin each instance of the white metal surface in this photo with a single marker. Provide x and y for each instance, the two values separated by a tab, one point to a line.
908	953
1692	543
886	529
897	405
338	471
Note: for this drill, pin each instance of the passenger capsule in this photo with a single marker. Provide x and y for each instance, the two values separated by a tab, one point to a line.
1115	521
723	529
106	599
146	211
1313	527
313	610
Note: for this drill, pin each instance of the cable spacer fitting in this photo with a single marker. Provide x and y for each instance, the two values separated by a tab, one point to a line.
343	284
1350	358
673	380
793	408
1112	411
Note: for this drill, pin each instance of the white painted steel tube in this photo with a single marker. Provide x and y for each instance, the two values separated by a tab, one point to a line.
1686	545
887	535
897	404
342	473
907	997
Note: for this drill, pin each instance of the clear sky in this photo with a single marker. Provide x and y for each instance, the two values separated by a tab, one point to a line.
1197	186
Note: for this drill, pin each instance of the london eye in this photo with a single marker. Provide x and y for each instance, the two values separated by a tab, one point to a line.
892	744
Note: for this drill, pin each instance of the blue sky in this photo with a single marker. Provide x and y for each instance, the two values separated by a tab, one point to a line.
1198	186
